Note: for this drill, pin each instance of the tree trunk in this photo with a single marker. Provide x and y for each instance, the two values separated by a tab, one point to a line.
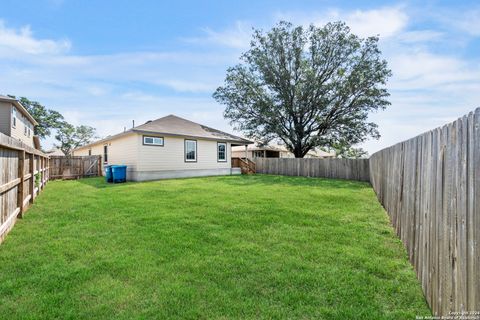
298	151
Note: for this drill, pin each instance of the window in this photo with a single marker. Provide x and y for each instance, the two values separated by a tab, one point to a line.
105	153
25	130
153	141
89	152
258	154
14	117
190	150
29	132
221	152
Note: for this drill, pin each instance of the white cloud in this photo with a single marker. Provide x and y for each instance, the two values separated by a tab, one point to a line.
419	36
424	70
190	86
467	21
237	37
13	42
385	21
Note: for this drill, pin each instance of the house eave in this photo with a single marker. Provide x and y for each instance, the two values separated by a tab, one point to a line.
240	142
23	110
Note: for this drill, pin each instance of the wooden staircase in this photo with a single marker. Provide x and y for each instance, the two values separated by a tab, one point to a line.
247	166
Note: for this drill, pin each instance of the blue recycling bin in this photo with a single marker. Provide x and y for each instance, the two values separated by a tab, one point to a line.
108	173
119	173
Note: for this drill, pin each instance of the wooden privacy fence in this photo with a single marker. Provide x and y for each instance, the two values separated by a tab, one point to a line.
352	169
23	174
430	187
75	167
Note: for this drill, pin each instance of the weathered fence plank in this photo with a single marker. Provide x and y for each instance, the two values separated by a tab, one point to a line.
16	187
74	167
429	186
351	169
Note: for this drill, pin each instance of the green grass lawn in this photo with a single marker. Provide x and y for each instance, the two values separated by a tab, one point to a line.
236	247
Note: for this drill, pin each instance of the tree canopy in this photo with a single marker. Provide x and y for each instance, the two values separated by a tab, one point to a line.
309	87
47	119
70	137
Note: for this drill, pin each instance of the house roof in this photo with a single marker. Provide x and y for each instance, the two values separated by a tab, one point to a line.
175	126
20	107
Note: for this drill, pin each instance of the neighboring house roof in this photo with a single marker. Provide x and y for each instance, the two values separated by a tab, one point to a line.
281	148
321	154
55	152
20	107
255	147
172	125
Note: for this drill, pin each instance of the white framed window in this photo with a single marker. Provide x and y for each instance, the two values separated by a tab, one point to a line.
153	141
14	117
29	132
190	150
221	152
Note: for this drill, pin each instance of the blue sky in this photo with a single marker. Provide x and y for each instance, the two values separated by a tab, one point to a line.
106	63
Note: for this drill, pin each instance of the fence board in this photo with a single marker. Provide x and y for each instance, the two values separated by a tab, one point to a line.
351	169
16	181
74	167
429	186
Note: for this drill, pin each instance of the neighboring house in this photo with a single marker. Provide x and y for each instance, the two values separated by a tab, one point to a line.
55	152
256	151
168	147
317	153
275	151
16	122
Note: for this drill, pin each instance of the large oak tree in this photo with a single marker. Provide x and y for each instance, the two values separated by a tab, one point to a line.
308	87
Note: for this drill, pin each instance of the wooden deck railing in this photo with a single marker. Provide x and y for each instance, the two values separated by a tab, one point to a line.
246	165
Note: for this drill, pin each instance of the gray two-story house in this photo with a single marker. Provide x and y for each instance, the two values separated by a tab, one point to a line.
16	122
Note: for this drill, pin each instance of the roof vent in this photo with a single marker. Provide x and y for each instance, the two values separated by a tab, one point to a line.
148	121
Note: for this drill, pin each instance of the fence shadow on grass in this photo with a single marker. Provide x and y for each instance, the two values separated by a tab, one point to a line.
100	183
265	179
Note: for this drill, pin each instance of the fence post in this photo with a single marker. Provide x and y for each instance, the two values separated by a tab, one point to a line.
40	172
31	170
100	173
21	166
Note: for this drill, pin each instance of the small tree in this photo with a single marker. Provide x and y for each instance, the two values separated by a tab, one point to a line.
307	87
71	137
47	119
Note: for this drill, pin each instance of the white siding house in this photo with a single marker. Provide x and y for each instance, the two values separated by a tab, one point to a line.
168	147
